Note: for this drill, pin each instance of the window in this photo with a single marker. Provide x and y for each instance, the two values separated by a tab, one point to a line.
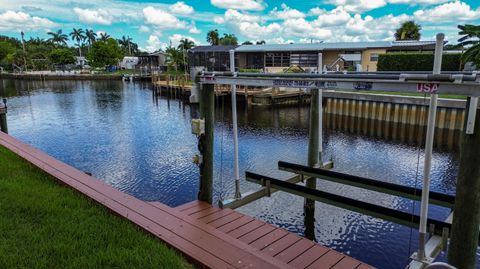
277	59
374	57
304	59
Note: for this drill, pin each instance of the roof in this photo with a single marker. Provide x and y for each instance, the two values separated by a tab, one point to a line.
213	48
333	46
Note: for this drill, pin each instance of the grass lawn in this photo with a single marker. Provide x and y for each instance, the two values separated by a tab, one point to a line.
46	225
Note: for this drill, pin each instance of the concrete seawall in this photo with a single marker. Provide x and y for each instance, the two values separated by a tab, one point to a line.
394	117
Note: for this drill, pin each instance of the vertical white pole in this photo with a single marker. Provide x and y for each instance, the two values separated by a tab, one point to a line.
320	111
432	112
236	169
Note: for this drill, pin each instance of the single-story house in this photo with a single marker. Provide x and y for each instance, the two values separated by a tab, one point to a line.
129	62
359	56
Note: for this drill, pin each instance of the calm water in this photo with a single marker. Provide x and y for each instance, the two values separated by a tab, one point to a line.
117	132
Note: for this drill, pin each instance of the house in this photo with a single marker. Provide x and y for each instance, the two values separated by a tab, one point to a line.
81	61
213	58
152	61
353	56
129	62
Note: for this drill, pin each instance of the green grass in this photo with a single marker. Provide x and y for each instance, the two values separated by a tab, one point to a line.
413	94
46	225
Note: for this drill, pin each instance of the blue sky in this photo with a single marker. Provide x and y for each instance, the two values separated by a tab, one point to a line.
154	24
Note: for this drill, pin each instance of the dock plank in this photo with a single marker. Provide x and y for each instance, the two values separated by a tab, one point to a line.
205	234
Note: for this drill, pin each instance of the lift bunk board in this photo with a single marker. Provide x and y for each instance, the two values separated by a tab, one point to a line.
456	84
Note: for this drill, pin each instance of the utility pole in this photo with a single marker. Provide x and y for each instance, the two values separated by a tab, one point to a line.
205	142
466	217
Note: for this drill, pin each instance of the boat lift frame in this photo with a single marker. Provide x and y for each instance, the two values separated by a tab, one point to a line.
467	84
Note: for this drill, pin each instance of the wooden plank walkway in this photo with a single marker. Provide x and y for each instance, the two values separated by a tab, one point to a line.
206	235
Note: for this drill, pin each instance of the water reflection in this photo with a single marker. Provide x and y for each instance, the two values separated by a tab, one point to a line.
143	146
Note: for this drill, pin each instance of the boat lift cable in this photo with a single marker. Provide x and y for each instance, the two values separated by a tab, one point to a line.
222	186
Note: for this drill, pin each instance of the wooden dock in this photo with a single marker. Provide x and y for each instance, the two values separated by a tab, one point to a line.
208	236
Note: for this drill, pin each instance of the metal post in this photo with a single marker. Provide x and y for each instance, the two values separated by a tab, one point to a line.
428	151
466	217
205	143
236	169
320	112
3	116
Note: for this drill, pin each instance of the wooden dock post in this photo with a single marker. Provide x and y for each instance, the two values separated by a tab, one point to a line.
205	143
466	217
313	161
3	116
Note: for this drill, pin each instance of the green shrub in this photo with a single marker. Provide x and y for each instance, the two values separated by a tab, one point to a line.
250	70
416	62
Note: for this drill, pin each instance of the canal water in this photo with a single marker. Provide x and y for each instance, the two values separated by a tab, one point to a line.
143	146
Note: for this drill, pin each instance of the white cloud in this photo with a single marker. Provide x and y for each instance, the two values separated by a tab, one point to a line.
417	2
175	39
154	44
337	16
219	20
358	6
181	8
239	4
162	19
11	21
453	11
194	30
144	29
99	16
286	13
304	29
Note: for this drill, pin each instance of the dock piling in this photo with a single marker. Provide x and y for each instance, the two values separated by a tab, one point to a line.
205	143
3	116
466	219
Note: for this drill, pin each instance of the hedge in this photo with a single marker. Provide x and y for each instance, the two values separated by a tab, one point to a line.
416	62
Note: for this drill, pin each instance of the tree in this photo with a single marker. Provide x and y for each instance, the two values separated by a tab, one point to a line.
62	56
213	37
91	37
105	53
262	42
186	44
174	57
126	44
228	39
409	30
247	43
470	37
104	37
6	48
58	38
77	35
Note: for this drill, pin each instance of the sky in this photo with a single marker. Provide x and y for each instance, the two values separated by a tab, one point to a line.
156	24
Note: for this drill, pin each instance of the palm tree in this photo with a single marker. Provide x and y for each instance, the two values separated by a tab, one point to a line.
58	38
77	35
126	43
470	36
186	44
212	37
174	57
409	30
228	39
104	36
91	37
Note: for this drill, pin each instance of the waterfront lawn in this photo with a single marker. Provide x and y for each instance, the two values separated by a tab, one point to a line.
46	225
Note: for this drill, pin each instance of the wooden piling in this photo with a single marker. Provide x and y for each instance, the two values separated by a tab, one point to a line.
466	218
205	143
313	161
3	116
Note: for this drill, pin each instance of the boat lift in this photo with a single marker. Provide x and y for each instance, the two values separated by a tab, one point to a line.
467	84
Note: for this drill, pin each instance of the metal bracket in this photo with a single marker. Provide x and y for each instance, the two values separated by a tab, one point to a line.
472	113
425	260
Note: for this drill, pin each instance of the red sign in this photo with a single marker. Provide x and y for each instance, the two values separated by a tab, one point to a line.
427	87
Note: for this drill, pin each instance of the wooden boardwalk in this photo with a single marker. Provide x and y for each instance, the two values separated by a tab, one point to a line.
206	235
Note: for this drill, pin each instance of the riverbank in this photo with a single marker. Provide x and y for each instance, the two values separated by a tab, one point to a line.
61	76
45	225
